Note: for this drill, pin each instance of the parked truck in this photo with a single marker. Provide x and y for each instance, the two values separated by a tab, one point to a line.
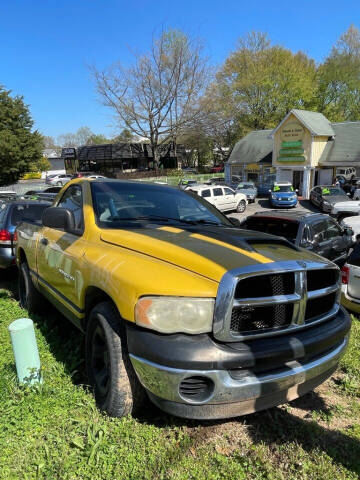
179	305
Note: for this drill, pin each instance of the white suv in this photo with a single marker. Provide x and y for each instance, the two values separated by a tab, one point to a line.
223	198
347	172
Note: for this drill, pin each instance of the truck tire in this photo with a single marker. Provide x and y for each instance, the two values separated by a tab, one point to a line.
116	387
241	207
29	298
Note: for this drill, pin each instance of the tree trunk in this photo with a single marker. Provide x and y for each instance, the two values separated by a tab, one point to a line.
156	156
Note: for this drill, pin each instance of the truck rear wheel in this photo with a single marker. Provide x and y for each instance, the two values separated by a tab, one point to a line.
116	387
30	299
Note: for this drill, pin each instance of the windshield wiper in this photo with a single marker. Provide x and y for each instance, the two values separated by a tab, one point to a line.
166	219
204	222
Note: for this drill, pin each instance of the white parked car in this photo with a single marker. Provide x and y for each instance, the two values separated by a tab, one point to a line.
59	180
95	176
353	223
223	198
350	288
347	172
341	209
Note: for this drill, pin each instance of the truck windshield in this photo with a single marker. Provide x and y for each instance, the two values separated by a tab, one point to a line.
275	226
117	204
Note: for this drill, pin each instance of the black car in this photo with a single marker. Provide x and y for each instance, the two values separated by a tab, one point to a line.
325	196
314	231
48	194
11	214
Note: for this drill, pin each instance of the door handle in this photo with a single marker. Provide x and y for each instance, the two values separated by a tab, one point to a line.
44	241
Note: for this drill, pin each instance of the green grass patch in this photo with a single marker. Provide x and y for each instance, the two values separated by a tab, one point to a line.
55	431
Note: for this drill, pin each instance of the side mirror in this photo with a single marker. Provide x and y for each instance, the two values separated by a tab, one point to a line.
316	239
235	221
59	219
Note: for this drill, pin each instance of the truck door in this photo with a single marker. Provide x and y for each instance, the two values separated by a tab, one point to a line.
218	198
60	255
339	241
321	245
229	199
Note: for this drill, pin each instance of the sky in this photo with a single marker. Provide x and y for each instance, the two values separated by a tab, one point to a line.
46	46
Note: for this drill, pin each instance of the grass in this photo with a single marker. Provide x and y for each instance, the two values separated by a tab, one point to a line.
55	431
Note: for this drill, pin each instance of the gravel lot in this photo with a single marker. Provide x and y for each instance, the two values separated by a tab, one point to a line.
262	205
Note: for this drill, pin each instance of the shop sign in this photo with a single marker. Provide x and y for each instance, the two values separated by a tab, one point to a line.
254	167
292	132
291	159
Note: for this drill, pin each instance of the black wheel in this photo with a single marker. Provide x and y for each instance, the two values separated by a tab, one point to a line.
116	387
241	207
30	299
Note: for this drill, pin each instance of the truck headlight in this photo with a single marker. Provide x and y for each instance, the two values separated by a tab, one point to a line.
175	314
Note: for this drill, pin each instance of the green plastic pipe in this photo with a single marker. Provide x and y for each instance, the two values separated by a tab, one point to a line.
25	350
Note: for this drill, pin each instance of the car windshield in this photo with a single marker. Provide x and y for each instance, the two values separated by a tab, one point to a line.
275	226
283	188
2	212
118	204
245	185
326	191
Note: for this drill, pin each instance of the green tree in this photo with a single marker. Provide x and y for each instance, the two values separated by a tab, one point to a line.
19	145
125	136
81	137
43	165
260	83
339	79
97	139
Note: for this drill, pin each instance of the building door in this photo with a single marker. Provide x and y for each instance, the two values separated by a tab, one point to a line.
298	180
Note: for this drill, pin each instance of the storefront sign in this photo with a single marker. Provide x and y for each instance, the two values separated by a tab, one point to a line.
292	132
254	167
291	159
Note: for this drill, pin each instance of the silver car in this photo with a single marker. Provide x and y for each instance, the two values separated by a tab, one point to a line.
59	180
248	189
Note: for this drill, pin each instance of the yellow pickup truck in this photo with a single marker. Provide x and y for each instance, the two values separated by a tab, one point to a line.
180	305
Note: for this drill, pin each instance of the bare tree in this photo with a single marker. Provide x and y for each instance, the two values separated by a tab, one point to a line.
158	96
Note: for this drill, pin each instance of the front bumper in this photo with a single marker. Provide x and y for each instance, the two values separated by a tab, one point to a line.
241	378
283	203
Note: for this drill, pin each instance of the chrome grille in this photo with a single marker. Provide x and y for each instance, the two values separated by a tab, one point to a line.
264	300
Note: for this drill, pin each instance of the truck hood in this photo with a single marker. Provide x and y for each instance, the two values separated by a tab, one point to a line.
207	251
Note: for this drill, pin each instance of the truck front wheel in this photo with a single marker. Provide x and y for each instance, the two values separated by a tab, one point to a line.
116	387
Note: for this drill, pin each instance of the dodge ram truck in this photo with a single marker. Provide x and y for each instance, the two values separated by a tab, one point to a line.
179	305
